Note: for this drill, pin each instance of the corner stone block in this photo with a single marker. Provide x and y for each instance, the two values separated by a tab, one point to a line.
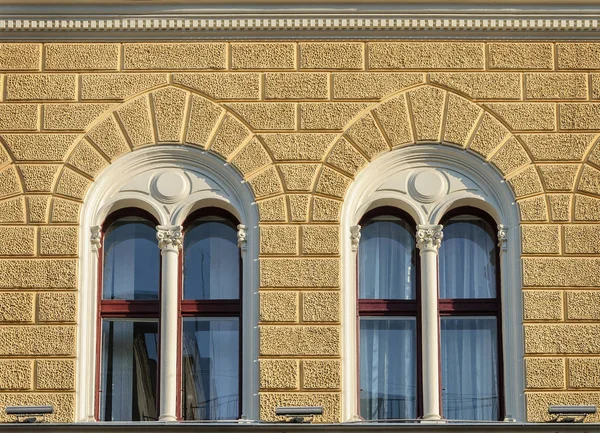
299	340
545	373
540	239
583	305
425	55
64	405
331	403
169	109
276	239
332	55
321	374
584	372
17	241
55	374
16	374
309	273
62	57
16	307
561	272
148	56
538	403
37	340
563	338
543	305
38	274
278	306
279	374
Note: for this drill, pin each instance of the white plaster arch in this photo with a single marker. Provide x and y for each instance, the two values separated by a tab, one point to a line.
449	178
131	181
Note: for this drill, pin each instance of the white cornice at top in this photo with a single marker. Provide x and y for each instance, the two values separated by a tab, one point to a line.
350	19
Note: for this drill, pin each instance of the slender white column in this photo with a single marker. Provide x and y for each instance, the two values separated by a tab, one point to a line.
429	239
169	242
96	244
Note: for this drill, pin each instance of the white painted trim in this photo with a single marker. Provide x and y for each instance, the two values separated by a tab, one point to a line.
385	182
107	194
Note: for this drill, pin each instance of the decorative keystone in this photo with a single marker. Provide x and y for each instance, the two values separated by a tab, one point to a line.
95	238
355	237
169	237
429	238
242	236
502	235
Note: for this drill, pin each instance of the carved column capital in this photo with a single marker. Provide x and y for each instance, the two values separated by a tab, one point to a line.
95	238
502	236
169	237
355	237
242	236
429	238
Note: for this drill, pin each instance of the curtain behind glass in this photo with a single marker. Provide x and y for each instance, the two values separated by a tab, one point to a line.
470	368
467	259
131	261
388	368
386	260
211	266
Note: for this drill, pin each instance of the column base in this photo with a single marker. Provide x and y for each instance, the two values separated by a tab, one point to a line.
167	418
432	419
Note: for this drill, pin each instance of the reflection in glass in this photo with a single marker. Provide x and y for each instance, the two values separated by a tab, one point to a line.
210	364
386	259
131	261
470	368
388	368
129	370
468	259
211	266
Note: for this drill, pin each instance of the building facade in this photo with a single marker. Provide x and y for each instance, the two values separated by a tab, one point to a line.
207	212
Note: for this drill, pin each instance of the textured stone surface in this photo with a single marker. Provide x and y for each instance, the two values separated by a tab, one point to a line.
332	183
557	147
169	110
222	86
367	137
20	56
109	139
263	55
12	210
561	272
590	180
579	116
301	147
479	85
231	135
38	177
556	86
560	206
19	117
39	147
175	56
72	184
23	87
489	135
299	340
320	307
461	120
87	159
328	115
542	305
266	182
299	207
9	182
265	116
279	374
595	86
64	57
563	338
17	241
75	117
586	208
43	274
511	156
545	373
373	85
583	305
278	306
584	372
57	307
37	340
331	403
526	182
533	209
64	405
55	374
425	55
252	157
16	374
331	55
118	86
204	116
278	240
16	307
325	209
578	55
321	374
290	85
272	210
346	158
538	403
58	241
299	273
559	177
64	211
136	121
520	56
540	239
38	208
526	116
427	106
320	239
298	177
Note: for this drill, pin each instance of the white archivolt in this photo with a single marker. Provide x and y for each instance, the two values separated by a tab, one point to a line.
427	181
170	182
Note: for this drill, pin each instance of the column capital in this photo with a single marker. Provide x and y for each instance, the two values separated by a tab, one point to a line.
242	237
429	237
169	237
502	236
95	238
355	237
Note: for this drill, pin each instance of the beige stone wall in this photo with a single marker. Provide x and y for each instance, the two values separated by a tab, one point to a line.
299	121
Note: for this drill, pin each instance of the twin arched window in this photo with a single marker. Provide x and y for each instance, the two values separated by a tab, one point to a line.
209	309
391	330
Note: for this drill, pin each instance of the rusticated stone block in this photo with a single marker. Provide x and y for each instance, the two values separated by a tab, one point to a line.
263	55
545	373
579	116
296	85
590	180
298	177
63	57
16	307
526	182
279	374
278	306
321	374
38	208
135	118
320	239
57	307
326	210
23	87
55	374
12	210
372	85
543	305
425	55
38	178
332	55
560	207
346	158
331	403
328	115
365	133
556	86
39	147
583	305
481	85
278	240
9	182
521	56
175	56
42	274
320	307
332	183
272	210
266	182
17	241
75	117
20	57
204	116
63	404
37	340
461	120
427	106
511	156
299	204
64	211
267	115
489	135
578	55
19	117
299	273
299	340
533	209
169	110
557	147
231	134
563	338
584	372
87	159
118	87
538	403
222	86
595	85
561	272
252	157
58	241
559	177
540	239
298	147
108	137
16	374
586	208
526	116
